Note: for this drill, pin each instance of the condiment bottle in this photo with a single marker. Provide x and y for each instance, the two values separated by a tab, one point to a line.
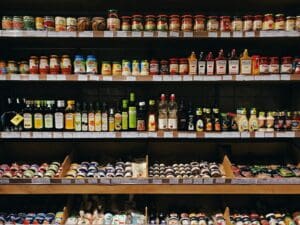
162	113
98	125
243	124
221	63
118	118
262	121
172	113
201	64
253	121
104	117
199	120
77	117
91	118
84	117
151	116
124	115
191	118
288	121
141	117
182	117
233	63
192	64
270	122
245	63
216	119
111	120
69	116
210	64
208	120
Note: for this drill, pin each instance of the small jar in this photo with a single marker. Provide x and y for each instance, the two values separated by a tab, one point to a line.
83	24
162	23
49	23
28	23
257	23
34	65
98	24
113	21
150	24
264	65
279	22
126	67
12	67
144	68
199	24
290	24
174	67
174	23
187	23
116	68
248	23
212	24
274	65
54	64
183	66
286	65
71	24
126	23
298	23
24	67
225	23
268	23
44	65
60	24
66	65
79	65
7	23
106	68
3	67
237	24
154	67
164	67
18	23
91	65
137	23
39	23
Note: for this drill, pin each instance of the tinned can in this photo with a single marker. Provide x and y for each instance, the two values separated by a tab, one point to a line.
12	67
24	67
33	65
71	24
39	23
7	23
54	64
28	23
116	68
60	24
144	68
44	65
49	23
135	67
126	67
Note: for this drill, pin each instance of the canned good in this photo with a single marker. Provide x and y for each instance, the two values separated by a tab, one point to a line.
268	23
116	68
174	23
150	24
49	23
257	23
199	24
237	24
126	67
144	68
279	22
39	23
24	67
126	25
28	22
34	65
187	23
83	24
7	23
137	23
225	23
44	65
135	67
154	67
248	23
60	24
212	24
98	24
66	65
113	21
3	69
162	23
71	24
12	67
106	68
91	65
79	65
54	64
290	24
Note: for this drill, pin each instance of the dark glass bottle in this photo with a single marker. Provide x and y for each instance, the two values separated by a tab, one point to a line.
118	118
59	115
141	116
7	116
152	122
208	120
104	117
91	118
77	117
233	63
84	117
199	120
201	64
124	114
17	120
182	117
191	118
288	121
216	120
97	117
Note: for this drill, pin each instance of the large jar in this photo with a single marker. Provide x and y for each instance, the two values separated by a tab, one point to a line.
66	65
144	68
290	24
137	23
60	24
54	64
268	23
286	65
39	23
116	68
150	24
7	23
164	67
12	67
44	65
28	22
49	23
106	68
174	23
71	24
174	66
183	66
18	23
162	23
126	23
126	67
154	67
98	24
34	65
113	21
83	24
279	22
237	24
248	23
187	23
264	65
24	67
199	24
257	22
212	24
298	23
274	65
225	24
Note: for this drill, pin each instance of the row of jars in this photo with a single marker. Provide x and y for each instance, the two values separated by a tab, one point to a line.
151	23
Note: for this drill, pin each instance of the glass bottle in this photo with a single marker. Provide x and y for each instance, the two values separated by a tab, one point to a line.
91	118
48	117
77	117
151	116
38	118
246	63
97	117
262	121
28	118
84	118
172	111
199	120
288	121
253	121
59	115
270	121
233	63
141	116
182	117
201	64
192	64
216	119
210	64
191	118
7	116
124	115
111	120
104	117
132	112
118	118
162	113
69	116
221	63
243	123
208	120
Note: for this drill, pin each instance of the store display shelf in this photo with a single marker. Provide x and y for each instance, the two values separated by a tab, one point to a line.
154	78
149	135
148	34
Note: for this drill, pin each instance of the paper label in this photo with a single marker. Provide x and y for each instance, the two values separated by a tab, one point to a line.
157	181
157	78
249	34
287	134
187	78
212	34
167	78
148	34
51	77
225	34
285	77
188	34
245	135
198	78
136	34
174	34
33	77
86	34
66	181
107	78
227	77
168	134
237	34
173	181
108	34
208	181
162	34
82	77
197	181
187	134
130	78
176	78
121	33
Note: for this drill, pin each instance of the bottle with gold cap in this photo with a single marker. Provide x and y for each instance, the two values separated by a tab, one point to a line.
246	63
69	115
253	121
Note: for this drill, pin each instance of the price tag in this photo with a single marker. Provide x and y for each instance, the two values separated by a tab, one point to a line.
105	181
188	34
198	78
212	78
57	135
142	134
107	135
265	34
37	135
94	77
187	181
157	181
61	77
230	134
4	181
245	134
152	134
220	180
239	77
148	34
12	33
248	78
287	134
167	78
168	134
121	33
82	77
174	181
174	34
225	34
292	180
227	77
46	135
136	34
292	33
108	34
157	78
259	134
40	181
64	34
187	134
208	181
130	78
107	78
243	181
237	34
261	77
67	135
129	134
2	77
213	34
86	34
285	77
162	34
92	181
176	78
274	77
80	181
25	135
198	181
15	77
51	77
213	135
33	33
187	78
33	77
66	181
249	34
269	134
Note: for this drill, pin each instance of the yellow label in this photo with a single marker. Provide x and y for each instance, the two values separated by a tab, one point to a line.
17	119
38	121
69	121
97	121
111	124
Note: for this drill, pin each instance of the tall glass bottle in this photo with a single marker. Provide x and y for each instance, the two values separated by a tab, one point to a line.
151	116
199	120
246	63
221	63
201	64
91	118
191	118
162	113
104	117
111	120
77	117
38	118
132	112
98	121
69	116
233	63
59	115
217	120
141	116
48	116
182	117
84	118
124	115
118	118
210	64
28	118
172	111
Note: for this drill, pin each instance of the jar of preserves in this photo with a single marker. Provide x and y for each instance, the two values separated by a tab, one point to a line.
174	67
3	67
54	64
257	22
79	65
279	22
183	66
154	67
298	23
144	68
91	65
83	24
106	68
135	67
137	23
126	24
28	22
290	24
98	24
7	23
113	21
237	24
212	24
199	24
225	23
162	23
12	67
66	65
60	24
44	65
150	24
286	65
295	121
34	65
24	67
248	23
126	67
116	68
71	24
268	23
18	23
274	65
187	23
39	23
164	67
49	23
174	23
255	64
264	65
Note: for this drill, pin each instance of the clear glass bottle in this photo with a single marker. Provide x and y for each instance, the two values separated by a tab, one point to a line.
172	113
162	113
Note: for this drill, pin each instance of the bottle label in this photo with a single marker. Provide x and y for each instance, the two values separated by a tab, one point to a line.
286	68
253	125
193	67
200	125
27	120
274	68
141	126
264	68
124	121
59	120
98	122
246	66
172	124
104	122
111	122
201	67
118	121
48	121
69	121
233	67
162	124
217	125
132	117
77	121
191	125
221	67
17	119
151	123
208	126
38	121
84	122
91	121
210	65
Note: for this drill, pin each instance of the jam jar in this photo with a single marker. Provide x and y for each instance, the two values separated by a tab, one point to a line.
183	66
187	23
39	23
174	67
164	67
263	65
257	22
12	67
290	24
286	65
49	23
154	67
255	64
237	24
116	68
54	64
137	23
279	22
274	65
113	21
34	65
24	67
174	23
44	65
126	23
98	24
162	23
83	24
212	24
199	24
66	65
150	23
7	23
18	23
268	23
225	23
106	68
248	23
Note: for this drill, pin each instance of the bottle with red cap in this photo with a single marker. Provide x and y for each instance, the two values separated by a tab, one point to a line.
172	111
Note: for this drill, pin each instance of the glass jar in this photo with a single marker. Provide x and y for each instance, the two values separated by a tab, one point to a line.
83	24
263	65
298	23
126	23
150	24
286	65
7	23
248	23
290	24
18	23
12	67
44	65
34	65
66	65
106	68
154	67
255	64
3	67
268	23
28	22
274	65
24	67
54	64
162	23
39	23
199	24
126	67
187	23
113	21
91	65
79	65
164	67
296	65
49	23
183	66
225	23
279	22
137	23
71	24
144	68
257	23
116	68
60	24
174	23
98	24
174	67
237	24
212	24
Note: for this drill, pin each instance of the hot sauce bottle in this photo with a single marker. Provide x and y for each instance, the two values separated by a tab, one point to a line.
221	63
245	63
210	64
201	64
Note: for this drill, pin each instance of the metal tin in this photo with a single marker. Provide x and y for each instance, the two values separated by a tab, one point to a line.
49	23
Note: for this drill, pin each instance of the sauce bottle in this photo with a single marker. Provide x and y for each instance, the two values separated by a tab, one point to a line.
118	118
216	119
97	117
201	64
141	117
270	121
59	115
210	64
91	118
84	117
104	117
111	120
253	121
48	116
77	117
246	63
233	63
243	124
199	120
132	112
151	116
262	121
288	121
192	64
124	115
69	116
182	117
38	118
221	63
27	115
162	113
208	120
172	113
191	120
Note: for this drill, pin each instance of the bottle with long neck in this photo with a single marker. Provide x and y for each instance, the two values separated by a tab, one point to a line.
162	113
48	117
210	64
172	111
124	115
199	120
69	116
182	117
28	118
38	119
91	118
192	64
132	112
97	117
246	63
191	118
141	116
84	117
118	118
111	120
151	116
221	63
233	63
201	64
104	117
59	115
77	117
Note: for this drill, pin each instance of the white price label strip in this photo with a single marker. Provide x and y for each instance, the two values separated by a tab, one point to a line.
162	34
174	34
148	34
212	34
136	34
188	34
108	34
121	33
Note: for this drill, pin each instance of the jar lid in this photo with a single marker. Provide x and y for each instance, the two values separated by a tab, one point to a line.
224	17
212	17
248	17
24	62
154	61
183	59
105	62
268	14
53	56
279	15
150	16
33	57
290	17
44	57
258	16
116	62
65	56
174	15
163	61
173	59
201	16
274	57
137	15
188	15
263	58
286	57
162	15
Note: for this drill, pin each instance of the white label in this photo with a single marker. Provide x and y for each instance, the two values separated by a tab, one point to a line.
167	78
152	134
269	134
12	33
15	77
130	78
162	34
25	135
187	78
249	78
2	77
162	123
173	181
142	134
212	78
227	77
156	181
201	67
188	34
66	181
34	33
246	66
230	134
225	34
287	134
237	34
129	134
293	33
121	33
51	77
136	34
33	77
176	78
259	134
4	181
107	78
285	77
286	68
82	77
61	77
243	181
208	181
239	77
213	135
174	34
245	135
40	181
107	135
86	34
92	181
221	67
93	77
198	78
220	180
36	134
108	34
148	34
233	67
46	135
168	134
212	34
197	181
249	34
187	135
79	181
187	181
67	135
57	135
210	65
172	123
59	120
157	78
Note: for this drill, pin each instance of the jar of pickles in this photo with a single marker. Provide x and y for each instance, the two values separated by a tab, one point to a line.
34	65
263	65
268	23
225	24
162	23
257	22
49	23
24	67
44	65
174	23
54	64
279	22
286	65
154	67
113	21
126	24
150	24
60	24
174	67
106	68
212	24
237	24
248	23
116	68
12	67
183	66
137	23
199	24
7	23
274	65
187	23
66	65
